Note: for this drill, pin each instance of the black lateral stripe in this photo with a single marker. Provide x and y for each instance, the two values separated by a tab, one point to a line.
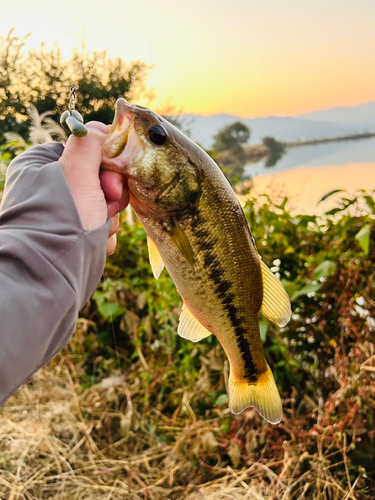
223	290
240	333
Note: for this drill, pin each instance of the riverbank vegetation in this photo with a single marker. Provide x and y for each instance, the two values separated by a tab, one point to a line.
131	410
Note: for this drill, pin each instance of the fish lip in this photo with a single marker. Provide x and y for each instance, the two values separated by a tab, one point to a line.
118	133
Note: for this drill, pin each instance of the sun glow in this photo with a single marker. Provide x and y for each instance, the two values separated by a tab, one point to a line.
250	59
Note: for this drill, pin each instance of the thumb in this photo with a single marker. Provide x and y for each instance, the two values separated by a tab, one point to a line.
81	158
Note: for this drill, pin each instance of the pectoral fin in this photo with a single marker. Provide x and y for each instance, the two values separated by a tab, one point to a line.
190	328
182	242
157	264
276	303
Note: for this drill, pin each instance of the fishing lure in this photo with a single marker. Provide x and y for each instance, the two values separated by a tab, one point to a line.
71	120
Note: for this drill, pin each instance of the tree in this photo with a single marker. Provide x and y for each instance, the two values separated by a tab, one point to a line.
231	136
43	79
228	150
11	79
276	150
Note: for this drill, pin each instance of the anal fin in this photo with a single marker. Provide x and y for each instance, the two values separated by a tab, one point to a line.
157	264
263	395
190	328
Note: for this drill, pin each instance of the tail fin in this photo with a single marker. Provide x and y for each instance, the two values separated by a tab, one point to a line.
263	395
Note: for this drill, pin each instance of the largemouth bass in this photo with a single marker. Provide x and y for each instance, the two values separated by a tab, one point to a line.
196	228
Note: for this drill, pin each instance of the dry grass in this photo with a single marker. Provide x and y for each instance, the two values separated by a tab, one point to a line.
63	443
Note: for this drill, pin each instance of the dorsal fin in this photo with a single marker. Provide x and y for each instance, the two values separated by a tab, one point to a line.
276	303
156	261
190	328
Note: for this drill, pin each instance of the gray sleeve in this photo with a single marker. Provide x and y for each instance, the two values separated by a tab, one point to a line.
49	266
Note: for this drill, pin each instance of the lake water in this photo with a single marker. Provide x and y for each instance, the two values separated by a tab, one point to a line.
306	173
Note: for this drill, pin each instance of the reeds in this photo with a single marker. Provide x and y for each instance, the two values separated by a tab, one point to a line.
60	441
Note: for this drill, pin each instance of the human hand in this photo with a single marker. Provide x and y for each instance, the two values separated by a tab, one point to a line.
96	195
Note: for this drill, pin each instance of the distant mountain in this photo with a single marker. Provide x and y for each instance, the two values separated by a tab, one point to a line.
362	116
315	125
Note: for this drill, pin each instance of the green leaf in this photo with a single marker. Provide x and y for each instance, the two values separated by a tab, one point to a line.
325	269
111	310
100	297
282	204
290	287
370	202
225	426
263	327
6	157
327	195
305	290
363	236
293	363
334	211
223	398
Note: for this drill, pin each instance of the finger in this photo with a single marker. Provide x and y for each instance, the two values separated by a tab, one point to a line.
99	126
114	207
111	244
93	140
112	185
115	224
116	192
82	155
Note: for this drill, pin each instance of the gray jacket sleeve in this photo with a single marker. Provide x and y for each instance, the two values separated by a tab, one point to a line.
49	266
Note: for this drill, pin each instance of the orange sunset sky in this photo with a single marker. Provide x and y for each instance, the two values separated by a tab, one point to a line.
244	57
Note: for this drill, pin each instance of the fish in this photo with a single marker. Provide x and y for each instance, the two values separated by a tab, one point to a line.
197	229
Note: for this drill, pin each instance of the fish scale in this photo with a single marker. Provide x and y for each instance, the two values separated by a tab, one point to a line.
231	269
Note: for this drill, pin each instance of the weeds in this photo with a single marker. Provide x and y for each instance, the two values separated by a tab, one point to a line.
131	411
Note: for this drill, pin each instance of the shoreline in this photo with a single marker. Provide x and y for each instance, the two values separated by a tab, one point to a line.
255	152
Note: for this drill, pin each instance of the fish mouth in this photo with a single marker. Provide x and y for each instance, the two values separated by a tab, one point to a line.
113	149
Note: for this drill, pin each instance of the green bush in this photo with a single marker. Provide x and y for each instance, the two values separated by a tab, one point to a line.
325	263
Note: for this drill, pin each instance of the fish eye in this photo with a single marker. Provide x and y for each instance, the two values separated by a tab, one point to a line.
157	135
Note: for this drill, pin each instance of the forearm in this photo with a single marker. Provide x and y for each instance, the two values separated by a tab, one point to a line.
49	266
